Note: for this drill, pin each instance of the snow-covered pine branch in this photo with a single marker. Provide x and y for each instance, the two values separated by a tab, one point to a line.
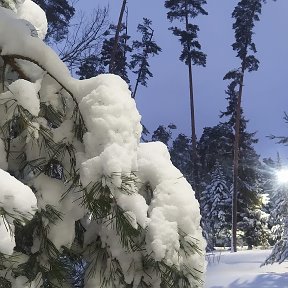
103	198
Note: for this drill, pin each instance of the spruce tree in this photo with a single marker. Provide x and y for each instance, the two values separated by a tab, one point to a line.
85	194
181	155
191	54
216	208
216	146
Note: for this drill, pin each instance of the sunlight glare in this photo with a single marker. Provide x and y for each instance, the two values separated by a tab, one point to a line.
282	176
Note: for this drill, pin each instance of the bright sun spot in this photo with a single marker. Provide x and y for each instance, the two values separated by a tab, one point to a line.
282	176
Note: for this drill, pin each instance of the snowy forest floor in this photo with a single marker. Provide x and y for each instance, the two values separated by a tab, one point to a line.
242	270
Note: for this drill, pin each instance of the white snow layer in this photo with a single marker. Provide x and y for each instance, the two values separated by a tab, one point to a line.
111	154
243	269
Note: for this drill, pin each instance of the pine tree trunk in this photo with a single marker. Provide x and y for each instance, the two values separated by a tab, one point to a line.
192	113
136	85
236	164
236	144
193	130
117	33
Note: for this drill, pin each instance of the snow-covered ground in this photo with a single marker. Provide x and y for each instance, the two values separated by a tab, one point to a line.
242	270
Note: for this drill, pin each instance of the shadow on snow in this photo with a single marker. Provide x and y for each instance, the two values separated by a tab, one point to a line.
267	280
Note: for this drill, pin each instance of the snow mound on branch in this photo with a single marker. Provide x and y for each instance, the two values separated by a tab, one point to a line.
7	241
112	148
25	93
17	41
112	140
174	212
111	114
30	11
19	201
50	192
15	197
7	19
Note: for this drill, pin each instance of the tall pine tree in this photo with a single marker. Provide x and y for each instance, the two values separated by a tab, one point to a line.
246	13
249	174
191	54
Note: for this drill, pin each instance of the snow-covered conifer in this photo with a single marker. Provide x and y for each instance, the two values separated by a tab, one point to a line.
216	208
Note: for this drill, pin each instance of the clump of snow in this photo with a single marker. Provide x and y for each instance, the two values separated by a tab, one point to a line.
30	11
50	192
17	41
7	241
64	132
15	197
19	201
25	94
110	114
113	150
112	162
112	139
173	210
136	206
10	19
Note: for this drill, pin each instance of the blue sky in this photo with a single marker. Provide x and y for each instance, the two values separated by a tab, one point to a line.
166	98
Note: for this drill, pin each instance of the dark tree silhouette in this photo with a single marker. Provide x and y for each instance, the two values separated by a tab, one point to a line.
118	30
59	14
146	47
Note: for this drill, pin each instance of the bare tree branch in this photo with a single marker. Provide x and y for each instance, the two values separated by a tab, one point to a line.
84	39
